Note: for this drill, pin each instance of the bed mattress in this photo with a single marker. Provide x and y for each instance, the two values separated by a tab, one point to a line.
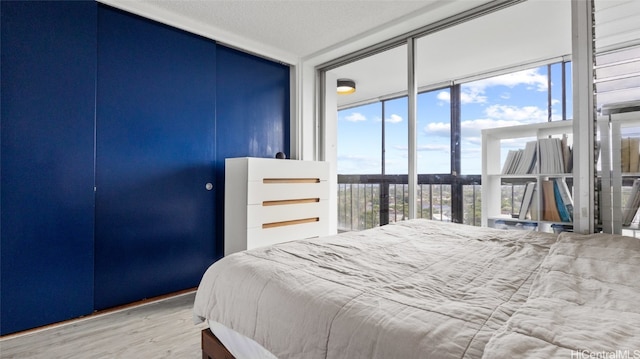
583	303
237	344
413	289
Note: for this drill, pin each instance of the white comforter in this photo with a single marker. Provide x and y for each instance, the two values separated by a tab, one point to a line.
415	289
584	303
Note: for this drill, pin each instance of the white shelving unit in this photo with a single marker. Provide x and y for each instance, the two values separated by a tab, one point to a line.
611	129
612	217
492	177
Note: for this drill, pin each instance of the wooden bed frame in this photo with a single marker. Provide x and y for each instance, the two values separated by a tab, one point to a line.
212	348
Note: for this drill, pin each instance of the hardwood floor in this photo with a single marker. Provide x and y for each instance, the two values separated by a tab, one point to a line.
160	329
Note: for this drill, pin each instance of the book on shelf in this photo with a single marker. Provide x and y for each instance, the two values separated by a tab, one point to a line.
632	204
549	207
634	154
533	206
567	155
550	155
563	200
513	158
527	198
624	154
565	194
527	162
630	154
521	161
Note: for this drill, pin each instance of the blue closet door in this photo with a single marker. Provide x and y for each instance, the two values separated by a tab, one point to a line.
155	154
252	113
47	120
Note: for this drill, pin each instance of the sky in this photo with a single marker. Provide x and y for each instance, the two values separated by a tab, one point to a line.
505	100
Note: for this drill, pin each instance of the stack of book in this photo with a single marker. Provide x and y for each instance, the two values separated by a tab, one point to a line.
557	203
630	154
554	155
521	161
551	155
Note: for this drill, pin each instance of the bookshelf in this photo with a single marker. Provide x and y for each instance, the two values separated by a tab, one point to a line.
536	178
617	212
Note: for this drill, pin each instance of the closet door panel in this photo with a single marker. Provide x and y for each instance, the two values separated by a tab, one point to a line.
47	120
155	155
252	114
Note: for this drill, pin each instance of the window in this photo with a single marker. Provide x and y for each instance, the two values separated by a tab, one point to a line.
359	145
434	131
464	85
506	100
372	153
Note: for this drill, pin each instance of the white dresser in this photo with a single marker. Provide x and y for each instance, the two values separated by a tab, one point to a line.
268	201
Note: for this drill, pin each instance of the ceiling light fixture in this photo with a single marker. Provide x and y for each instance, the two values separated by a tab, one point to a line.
346	86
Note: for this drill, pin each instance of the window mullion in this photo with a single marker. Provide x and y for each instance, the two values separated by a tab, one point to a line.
457	206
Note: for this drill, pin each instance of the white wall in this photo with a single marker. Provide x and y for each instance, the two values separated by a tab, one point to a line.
330	147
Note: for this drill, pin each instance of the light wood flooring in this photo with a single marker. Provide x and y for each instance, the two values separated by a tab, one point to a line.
160	329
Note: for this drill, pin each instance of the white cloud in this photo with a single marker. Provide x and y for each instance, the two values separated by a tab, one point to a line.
423	148
394	119
482	123
472	128
355	117
472	152
438	128
444	96
496	116
474	92
529	77
526	114
472	95
434	148
472	140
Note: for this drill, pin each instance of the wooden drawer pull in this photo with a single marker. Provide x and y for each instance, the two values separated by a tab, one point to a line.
290	201
290	223
290	180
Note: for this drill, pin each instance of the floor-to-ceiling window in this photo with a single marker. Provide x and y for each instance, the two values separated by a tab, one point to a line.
499	69
433	127
521	97
369	146
372	147
359	153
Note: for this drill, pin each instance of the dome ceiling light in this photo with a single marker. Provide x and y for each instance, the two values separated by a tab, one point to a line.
346	86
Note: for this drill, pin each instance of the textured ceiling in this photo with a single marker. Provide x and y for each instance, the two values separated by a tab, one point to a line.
299	27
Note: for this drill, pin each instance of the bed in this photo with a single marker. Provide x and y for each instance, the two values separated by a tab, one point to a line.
425	289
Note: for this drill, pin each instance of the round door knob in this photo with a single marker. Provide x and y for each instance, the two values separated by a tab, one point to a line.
208	186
